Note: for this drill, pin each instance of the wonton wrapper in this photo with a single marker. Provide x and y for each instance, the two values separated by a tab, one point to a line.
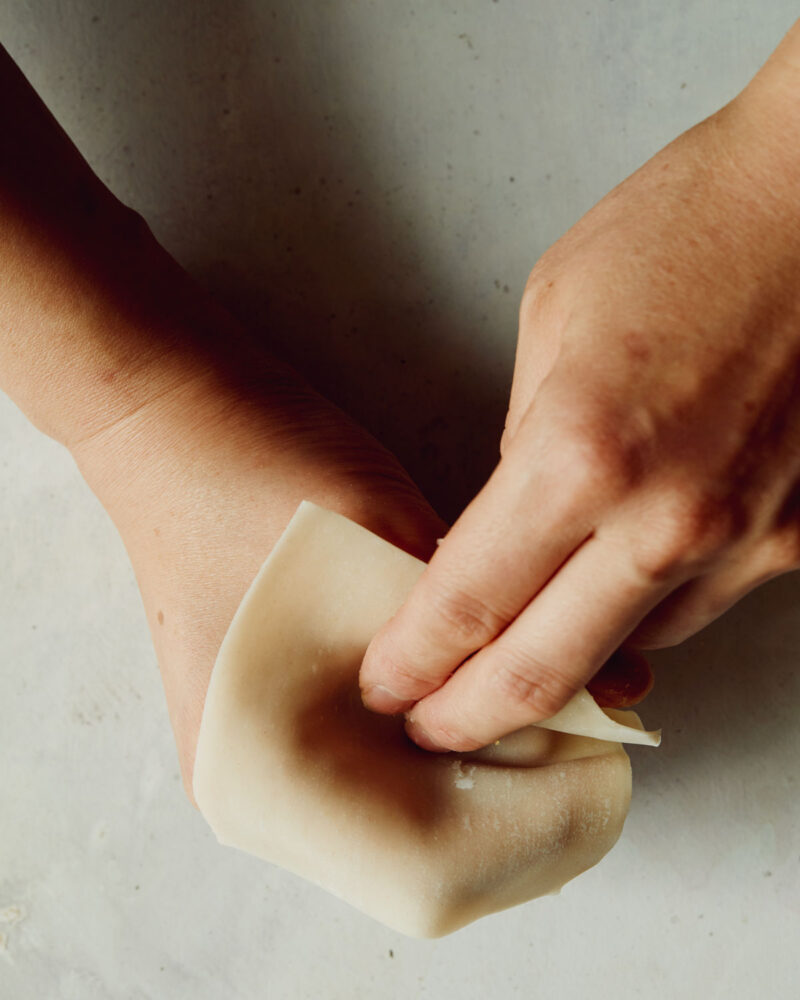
292	768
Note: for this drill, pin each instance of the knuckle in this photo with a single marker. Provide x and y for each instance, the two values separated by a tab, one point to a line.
533	300
540	689
784	550
599	460
656	561
543	290
466	618
541	277
687	533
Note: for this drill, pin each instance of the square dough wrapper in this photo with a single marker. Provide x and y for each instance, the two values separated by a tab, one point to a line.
290	766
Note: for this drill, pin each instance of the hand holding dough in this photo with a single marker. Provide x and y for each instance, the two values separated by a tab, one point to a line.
292	768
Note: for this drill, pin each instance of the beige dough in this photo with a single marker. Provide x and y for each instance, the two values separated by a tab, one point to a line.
292	768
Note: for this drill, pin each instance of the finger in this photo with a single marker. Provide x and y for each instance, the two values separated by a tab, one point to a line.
553	648
624	680
510	540
699	602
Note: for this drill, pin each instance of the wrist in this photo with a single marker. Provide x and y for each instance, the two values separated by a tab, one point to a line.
99	322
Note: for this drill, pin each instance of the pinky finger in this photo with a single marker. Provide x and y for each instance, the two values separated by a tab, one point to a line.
701	601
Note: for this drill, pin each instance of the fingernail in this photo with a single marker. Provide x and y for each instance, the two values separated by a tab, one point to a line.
416	733
381	699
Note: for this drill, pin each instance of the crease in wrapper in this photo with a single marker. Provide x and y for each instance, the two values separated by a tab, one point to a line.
291	767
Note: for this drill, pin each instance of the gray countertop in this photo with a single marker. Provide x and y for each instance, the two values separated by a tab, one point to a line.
370	183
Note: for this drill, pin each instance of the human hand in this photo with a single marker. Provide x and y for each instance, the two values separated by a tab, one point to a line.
650	465
199	444
201	483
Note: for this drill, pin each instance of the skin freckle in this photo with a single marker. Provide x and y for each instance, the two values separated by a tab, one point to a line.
637	347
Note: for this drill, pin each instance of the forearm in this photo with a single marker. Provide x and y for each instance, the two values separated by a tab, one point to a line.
95	318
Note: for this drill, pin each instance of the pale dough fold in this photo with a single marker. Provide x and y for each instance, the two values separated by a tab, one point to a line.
292	768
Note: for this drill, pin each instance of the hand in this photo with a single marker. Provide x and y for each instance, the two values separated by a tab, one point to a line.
199	446
650	469
202	481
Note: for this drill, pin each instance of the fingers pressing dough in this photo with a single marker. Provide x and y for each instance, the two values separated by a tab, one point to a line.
292	768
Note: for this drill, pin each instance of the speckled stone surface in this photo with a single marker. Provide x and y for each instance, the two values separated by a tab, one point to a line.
369	183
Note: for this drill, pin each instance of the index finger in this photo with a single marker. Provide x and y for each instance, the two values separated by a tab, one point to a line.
523	525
